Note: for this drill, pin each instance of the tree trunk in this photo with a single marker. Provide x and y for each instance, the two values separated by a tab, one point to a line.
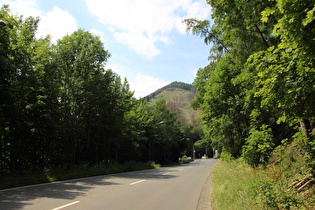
312	124
304	124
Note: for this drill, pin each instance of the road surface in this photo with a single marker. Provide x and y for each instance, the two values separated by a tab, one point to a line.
180	187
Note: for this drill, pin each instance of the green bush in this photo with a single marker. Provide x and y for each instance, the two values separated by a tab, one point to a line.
277	195
276	185
307	148
259	146
287	167
226	156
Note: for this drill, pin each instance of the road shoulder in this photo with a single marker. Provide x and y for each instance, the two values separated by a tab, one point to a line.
204	202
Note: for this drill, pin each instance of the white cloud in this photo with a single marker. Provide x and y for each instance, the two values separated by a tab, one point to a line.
138	42
194	72
23	7
118	69
142	24
97	32
198	10
56	22
144	85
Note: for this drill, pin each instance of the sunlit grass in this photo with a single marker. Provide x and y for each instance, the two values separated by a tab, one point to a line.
239	186
234	186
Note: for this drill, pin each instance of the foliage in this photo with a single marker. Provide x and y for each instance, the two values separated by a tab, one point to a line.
203	147
261	72
306	147
184	157
258	90
166	133
61	108
259	147
234	186
239	186
287	168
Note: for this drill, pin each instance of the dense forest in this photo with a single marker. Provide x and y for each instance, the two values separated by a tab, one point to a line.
257	94
60	106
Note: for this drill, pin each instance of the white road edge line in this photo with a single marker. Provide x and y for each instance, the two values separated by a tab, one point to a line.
166	173
137	182
64	206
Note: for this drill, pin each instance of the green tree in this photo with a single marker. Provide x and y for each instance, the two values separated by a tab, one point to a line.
286	71
236	32
19	83
261	70
80	56
4	93
259	146
165	133
137	132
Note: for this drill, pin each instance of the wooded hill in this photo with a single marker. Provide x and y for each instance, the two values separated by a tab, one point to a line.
178	96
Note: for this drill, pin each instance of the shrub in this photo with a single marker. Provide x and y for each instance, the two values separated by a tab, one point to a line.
259	146
226	156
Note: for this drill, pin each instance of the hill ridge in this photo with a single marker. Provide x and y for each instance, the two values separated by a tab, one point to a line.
179	85
178	96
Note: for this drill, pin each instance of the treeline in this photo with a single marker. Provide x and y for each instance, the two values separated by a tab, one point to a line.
59	106
258	91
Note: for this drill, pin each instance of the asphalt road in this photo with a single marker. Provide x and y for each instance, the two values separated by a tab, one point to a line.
181	187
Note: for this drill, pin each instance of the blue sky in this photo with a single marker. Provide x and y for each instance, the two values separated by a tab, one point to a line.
146	38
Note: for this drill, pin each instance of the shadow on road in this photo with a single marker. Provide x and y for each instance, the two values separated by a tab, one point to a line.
69	190
19	197
159	173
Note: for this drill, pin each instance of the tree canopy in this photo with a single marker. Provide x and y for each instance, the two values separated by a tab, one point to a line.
60	106
259	83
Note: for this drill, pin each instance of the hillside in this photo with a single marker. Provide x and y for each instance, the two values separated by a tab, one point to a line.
178	96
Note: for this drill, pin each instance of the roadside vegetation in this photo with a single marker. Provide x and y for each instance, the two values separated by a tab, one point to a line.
257	99
234	186
284	183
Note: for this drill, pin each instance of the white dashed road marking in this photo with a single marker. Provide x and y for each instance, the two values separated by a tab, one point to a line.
137	182
64	206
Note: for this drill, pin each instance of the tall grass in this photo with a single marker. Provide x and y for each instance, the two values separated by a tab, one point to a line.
239	186
235	185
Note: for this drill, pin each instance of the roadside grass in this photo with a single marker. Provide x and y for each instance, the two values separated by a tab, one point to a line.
63	173
234	186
